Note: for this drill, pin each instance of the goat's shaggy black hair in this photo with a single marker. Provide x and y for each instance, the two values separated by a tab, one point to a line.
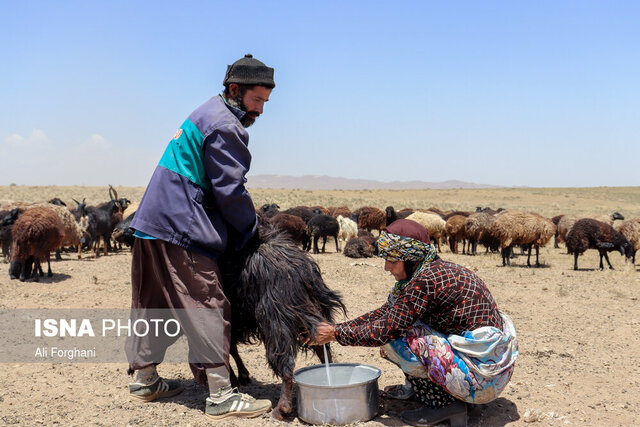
276	293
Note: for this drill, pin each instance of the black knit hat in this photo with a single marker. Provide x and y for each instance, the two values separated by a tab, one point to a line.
249	71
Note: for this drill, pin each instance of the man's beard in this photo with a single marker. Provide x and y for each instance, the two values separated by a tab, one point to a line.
247	120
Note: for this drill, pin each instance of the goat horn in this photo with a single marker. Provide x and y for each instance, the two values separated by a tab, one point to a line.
75	200
115	193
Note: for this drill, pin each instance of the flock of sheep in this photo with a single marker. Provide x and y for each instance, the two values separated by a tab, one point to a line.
494	229
30	232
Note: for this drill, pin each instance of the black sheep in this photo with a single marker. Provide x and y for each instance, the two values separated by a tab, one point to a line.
323	226
123	233
302	211
392	215
589	233
269	210
276	294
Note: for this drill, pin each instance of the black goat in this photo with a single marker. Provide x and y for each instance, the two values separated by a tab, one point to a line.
123	233
322	226
102	222
276	293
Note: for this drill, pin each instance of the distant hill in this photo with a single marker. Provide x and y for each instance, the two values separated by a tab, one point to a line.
322	182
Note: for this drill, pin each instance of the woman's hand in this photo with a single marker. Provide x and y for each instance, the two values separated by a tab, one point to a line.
326	333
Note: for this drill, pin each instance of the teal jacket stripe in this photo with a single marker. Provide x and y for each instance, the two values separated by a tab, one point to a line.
184	155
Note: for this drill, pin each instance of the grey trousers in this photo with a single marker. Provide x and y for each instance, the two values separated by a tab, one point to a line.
166	276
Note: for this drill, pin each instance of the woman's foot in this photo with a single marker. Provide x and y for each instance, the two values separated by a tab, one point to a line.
399	391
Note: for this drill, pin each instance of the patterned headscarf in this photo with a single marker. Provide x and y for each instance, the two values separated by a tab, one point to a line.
400	248
396	247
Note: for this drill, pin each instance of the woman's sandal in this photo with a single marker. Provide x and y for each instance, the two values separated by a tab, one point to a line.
398	391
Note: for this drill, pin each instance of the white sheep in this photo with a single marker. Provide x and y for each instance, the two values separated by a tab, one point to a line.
435	225
348	228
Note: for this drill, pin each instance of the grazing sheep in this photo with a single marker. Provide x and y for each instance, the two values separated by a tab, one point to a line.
435	225
478	230
319	210
334	211
294	227
36	233
433	210
270	210
358	247
448	215
456	231
7	218
276	294
323	226
370	218
556	219
348	228
631	230
5	241
522	228
567	221
301	211
73	231
589	233
392	215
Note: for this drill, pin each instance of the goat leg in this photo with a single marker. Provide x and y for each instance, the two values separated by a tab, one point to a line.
284	406
606	256
319	350
243	373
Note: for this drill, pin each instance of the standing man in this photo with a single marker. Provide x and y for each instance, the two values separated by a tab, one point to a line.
195	201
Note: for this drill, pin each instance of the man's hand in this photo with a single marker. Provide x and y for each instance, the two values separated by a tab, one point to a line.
326	333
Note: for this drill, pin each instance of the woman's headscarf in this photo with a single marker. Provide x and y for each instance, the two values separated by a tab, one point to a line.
405	240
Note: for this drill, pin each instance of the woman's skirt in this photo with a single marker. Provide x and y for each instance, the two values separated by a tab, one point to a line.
474	367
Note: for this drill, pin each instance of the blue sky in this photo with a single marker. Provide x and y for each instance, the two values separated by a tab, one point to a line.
542	94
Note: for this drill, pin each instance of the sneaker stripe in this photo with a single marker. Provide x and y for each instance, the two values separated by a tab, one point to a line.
233	406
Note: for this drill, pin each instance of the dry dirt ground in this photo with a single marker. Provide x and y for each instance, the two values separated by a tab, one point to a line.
578	330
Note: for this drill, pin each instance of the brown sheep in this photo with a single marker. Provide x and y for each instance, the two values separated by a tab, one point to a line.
523	228
73	231
448	215
556	219
370	218
456	231
433	210
36	233
631	230
478	230
358	247
293	226
319	210
334	211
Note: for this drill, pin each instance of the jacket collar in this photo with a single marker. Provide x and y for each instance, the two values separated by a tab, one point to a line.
236	111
